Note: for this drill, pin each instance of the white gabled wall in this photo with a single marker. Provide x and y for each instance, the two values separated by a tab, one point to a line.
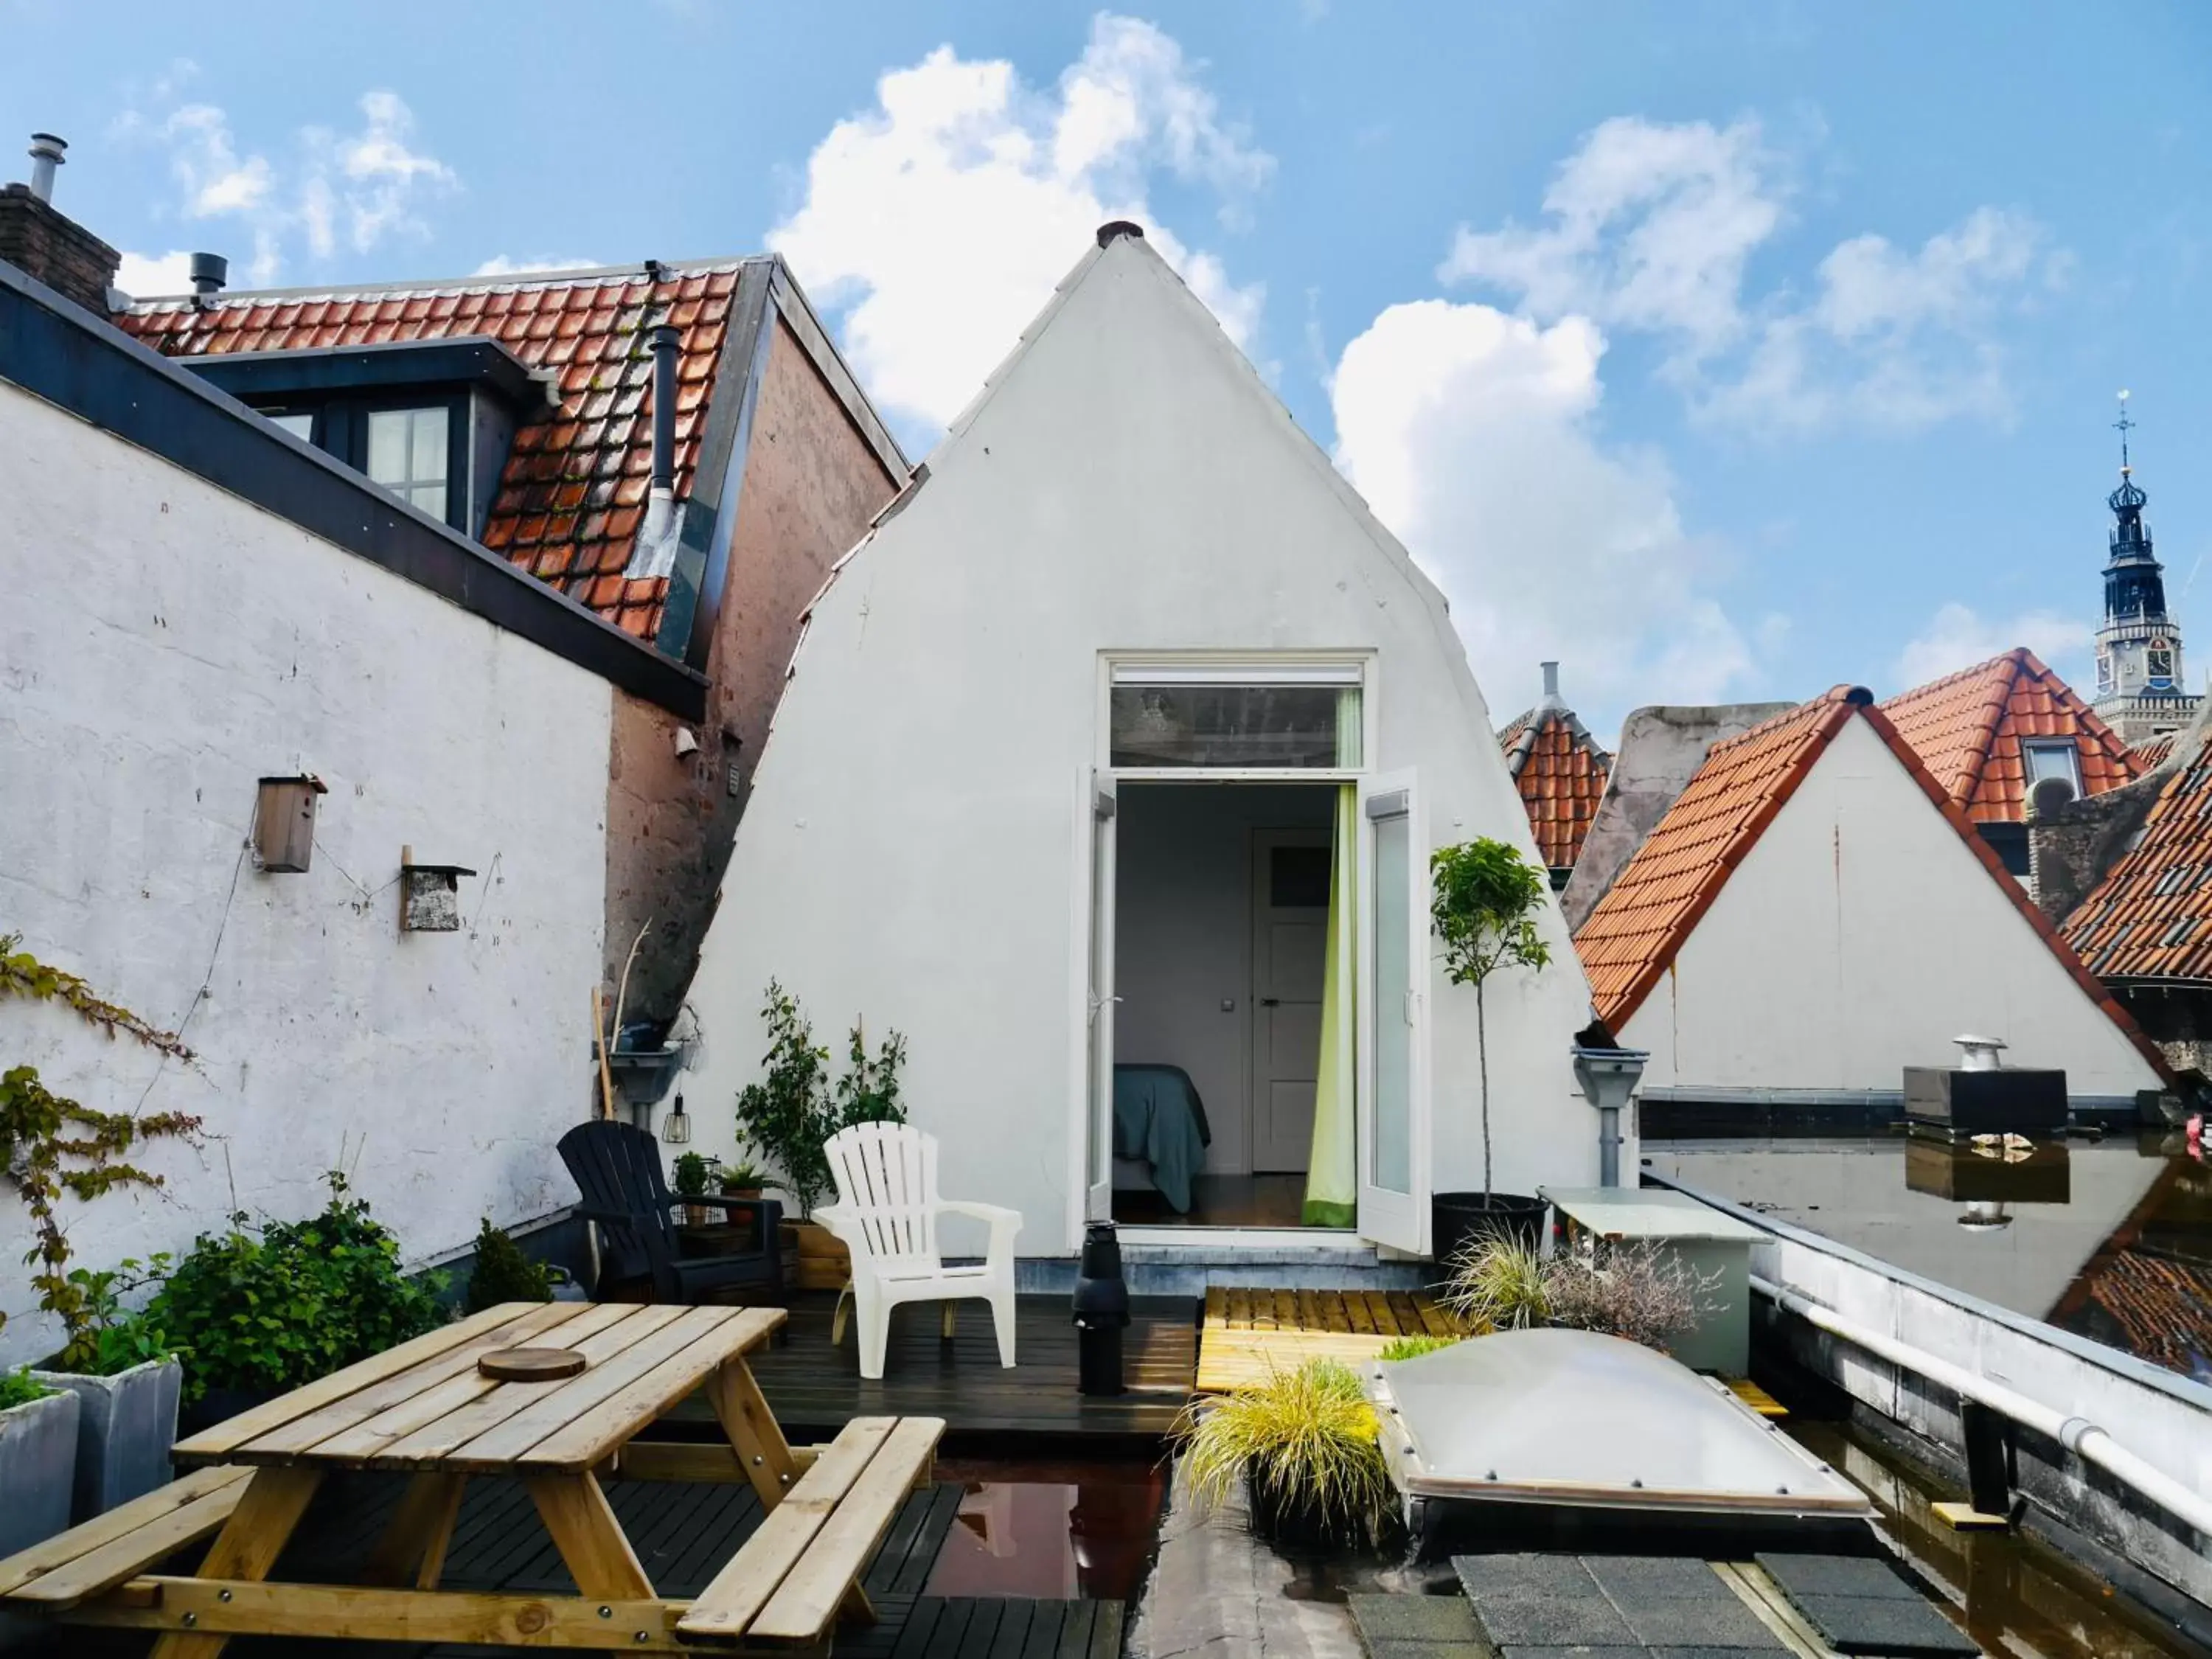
1127	484
162	646
1858	937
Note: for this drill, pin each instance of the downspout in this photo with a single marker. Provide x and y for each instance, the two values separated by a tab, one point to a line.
2087	1440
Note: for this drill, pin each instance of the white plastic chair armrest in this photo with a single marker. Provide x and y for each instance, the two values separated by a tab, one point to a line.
843	1224
1005	1223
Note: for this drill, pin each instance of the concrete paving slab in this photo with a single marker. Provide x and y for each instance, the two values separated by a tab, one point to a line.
1837	1575
1642	1578
1879	1625
1684	1622
1548	1574
1537	1619
1411	1618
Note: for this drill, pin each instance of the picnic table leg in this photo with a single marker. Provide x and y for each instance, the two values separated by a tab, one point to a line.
755	1435
591	1540
247	1547
416	1539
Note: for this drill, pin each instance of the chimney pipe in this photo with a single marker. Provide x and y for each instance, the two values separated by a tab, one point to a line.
664	338
1550	683
210	272
45	156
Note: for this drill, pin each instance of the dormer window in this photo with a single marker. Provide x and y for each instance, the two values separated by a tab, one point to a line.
2047	761
407	454
431	421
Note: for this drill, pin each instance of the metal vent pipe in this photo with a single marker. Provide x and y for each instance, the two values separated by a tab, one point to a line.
45	155
665	339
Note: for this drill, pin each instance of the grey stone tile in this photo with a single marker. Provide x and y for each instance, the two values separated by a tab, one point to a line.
1574	1650
1537	1620
1837	1575
1547	1575
1714	1653
1884	1625
1643	1577
1398	1650
1683	1622
1412	1618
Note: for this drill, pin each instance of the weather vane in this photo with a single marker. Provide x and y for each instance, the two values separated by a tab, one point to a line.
2123	426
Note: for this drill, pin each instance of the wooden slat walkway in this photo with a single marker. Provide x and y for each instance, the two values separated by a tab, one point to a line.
1010	1629
814	1388
1250	1336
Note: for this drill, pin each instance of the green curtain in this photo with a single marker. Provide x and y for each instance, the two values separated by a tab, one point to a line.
1332	1173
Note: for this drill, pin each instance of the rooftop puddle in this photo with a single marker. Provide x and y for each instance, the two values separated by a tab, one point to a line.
1053	1530
2111	1240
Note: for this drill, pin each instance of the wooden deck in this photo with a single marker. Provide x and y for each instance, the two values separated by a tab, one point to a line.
1250	1335
814	1388
682	1534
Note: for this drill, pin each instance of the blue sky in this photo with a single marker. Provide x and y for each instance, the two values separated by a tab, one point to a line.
1720	351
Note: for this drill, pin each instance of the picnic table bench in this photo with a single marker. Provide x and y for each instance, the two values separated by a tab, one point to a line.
424	1409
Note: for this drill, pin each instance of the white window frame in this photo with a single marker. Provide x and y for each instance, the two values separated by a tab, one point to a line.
2032	747
1341	668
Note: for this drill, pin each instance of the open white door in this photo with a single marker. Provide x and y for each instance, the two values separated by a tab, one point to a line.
1098	1007
1393	1037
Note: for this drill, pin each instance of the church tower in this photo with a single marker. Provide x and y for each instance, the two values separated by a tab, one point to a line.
2142	692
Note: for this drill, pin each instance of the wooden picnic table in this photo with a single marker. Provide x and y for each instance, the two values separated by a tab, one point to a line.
424	1409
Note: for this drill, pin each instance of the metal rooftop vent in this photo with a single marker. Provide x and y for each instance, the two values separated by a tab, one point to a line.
1558	1418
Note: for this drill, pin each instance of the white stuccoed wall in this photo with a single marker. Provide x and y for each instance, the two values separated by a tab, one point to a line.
1859	937
910	852
164	644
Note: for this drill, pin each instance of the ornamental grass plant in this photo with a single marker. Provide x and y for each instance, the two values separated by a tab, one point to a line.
1306	1441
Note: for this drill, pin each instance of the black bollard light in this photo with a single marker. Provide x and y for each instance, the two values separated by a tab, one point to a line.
1102	1309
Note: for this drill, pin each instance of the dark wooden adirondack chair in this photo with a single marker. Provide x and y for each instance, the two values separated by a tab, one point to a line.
617	1167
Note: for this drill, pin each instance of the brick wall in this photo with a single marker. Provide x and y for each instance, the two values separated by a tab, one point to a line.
2070	848
38	238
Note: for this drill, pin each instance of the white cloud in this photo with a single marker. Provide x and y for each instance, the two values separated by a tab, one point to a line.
1651	227
1471	432
143	276
501	265
361	187
941	220
1959	636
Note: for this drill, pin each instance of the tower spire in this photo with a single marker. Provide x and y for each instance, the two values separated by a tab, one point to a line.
2123	426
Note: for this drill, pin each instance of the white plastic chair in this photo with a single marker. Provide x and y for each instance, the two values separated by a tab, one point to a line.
886	1215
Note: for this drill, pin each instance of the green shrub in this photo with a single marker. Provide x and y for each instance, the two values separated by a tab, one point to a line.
268	1309
691	1175
1412	1347
110	1337
1309	1435
19	1387
1498	1284
503	1274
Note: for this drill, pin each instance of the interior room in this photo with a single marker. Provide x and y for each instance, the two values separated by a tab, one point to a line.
1221	931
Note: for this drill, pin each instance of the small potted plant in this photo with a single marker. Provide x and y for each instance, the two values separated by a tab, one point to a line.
694	1176
501	1272
744	1179
1632	1290
1303	1445
38	1459
124	1370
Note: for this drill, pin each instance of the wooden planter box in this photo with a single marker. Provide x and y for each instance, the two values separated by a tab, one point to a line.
813	1259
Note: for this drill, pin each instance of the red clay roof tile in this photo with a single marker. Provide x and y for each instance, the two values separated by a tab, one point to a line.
1967	726
1560	772
597	321
2151	916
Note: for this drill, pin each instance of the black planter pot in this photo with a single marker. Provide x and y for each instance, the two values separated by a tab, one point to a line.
1299	1521
1456	1220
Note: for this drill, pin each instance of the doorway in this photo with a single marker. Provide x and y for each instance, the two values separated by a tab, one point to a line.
1221	905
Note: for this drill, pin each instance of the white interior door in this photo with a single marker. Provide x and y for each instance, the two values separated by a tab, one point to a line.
1099	1001
1289	949
1393	990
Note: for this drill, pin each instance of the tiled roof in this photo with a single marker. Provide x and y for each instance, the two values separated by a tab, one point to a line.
572	494
1560	772
2162	1307
1630	939
2151	916
2151	753
1967	726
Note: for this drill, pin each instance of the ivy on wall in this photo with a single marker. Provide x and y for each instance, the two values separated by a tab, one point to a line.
51	1144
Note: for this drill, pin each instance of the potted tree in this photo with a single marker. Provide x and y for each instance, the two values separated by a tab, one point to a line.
38	1460
1484	901
789	1114
1303	1447
693	1175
